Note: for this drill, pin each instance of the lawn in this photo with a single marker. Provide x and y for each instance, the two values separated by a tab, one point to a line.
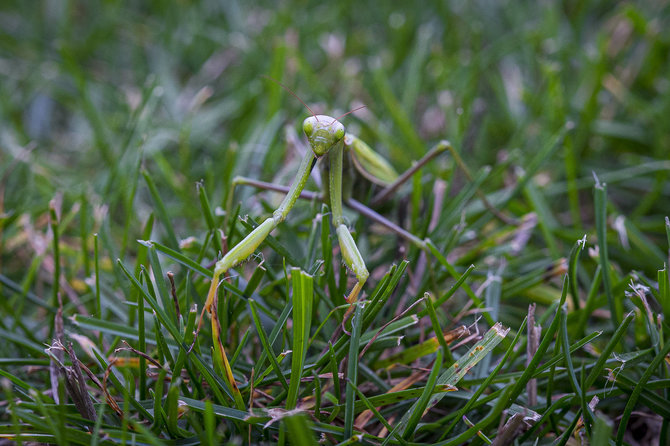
518	288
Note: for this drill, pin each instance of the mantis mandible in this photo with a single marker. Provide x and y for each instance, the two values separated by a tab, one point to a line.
329	140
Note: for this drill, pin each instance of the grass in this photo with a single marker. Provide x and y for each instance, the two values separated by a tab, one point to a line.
536	314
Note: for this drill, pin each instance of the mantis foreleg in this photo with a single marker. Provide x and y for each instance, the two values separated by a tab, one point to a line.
350	254
326	136
246	247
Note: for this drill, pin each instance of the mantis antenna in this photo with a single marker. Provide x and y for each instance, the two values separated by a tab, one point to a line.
303	102
292	93
349	112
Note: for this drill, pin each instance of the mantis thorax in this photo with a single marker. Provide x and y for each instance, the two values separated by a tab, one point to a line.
323	132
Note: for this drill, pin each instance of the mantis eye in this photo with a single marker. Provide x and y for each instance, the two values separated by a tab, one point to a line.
308	127
339	133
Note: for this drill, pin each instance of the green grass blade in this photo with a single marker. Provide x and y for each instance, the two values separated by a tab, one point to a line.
639	387
445	297
161	211
607	351
266	345
664	291
206	208
419	407
54	224
398	115
436	327
602	432
299	429
352	371
392	431
527	374
452	271
565	345
600	203
303	295
572	270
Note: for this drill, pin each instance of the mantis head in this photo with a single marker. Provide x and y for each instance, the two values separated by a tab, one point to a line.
323	132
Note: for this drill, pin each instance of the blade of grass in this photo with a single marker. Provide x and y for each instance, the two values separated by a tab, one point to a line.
303	295
607	351
455	287
299	429
161	211
221	359
572	270
53	224
590	302
471	401
190	264
436	327
452	271
410	354
418	409
397	112
274	334
602	432
655	402
567	434
352	371
664	291
527	374
390	398
392	431
160	281
337	386
492	416
457	371
142	344
266	345
632	401
600	204
565	345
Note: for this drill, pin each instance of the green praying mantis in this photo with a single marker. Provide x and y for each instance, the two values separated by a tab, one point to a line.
329	142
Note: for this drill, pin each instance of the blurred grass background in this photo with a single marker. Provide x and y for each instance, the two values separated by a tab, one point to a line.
100	87
100	101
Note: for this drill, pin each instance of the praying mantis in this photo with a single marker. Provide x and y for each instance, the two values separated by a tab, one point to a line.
328	141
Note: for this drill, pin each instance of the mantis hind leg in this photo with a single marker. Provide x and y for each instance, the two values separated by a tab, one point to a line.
388	191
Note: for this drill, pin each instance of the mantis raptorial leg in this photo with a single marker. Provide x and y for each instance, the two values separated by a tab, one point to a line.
325	135
327	139
344	237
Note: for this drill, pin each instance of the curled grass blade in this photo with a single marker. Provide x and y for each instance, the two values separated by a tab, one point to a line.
457	371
